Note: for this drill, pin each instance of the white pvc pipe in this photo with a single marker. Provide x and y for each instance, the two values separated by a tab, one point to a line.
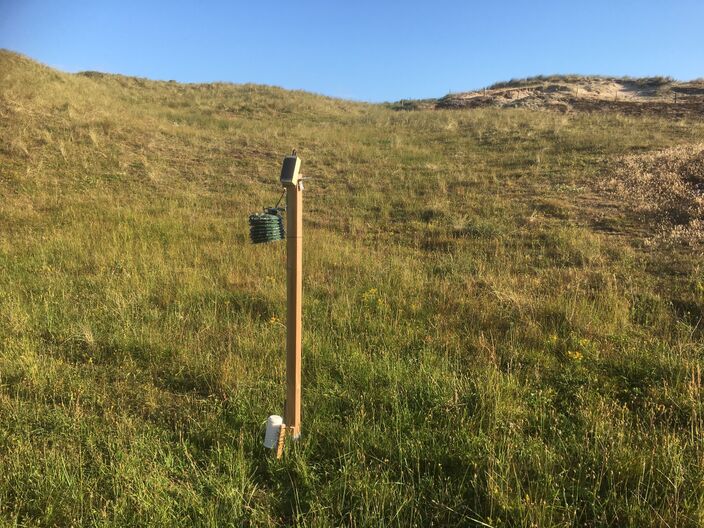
273	427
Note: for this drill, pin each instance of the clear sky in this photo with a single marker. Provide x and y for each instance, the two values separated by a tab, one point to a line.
373	51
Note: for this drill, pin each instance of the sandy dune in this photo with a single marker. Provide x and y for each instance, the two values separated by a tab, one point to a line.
571	93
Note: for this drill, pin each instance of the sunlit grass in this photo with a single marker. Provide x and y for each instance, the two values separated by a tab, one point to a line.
477	347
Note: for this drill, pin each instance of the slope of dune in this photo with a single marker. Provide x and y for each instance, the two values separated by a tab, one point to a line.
502	315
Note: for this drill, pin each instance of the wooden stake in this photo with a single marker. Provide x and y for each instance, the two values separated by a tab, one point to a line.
294	297
281	441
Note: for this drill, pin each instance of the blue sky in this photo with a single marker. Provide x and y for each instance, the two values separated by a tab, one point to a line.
373	51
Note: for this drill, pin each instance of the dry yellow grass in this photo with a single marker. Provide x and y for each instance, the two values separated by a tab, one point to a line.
667	188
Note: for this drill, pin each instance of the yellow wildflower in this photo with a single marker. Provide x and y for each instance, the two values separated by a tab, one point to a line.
369	295
575	355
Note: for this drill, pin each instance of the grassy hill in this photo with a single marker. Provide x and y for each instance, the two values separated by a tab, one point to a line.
502	321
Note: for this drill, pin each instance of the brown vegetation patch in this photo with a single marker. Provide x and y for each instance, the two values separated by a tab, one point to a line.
667	189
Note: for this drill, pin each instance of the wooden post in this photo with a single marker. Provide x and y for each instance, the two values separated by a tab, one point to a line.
294	298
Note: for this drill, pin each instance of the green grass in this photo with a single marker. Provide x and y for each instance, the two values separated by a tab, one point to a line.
478	349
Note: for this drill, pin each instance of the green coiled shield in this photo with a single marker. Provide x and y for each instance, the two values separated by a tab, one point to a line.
266	227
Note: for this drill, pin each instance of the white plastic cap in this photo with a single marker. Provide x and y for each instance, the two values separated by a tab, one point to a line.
273	427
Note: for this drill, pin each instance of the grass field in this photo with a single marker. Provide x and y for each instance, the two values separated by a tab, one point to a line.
491	337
